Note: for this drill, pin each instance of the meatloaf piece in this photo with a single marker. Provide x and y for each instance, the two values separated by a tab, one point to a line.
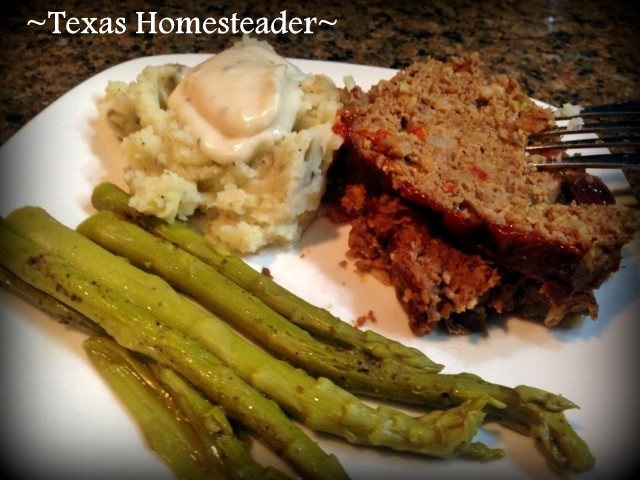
438	282
449	142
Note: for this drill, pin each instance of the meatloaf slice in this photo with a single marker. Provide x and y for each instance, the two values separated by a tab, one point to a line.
433	281
436	282
450	139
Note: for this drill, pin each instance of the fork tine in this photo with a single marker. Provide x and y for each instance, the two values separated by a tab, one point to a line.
600	142
601	128
607	160
607	126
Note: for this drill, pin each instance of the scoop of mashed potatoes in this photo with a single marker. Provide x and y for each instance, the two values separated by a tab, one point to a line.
242	141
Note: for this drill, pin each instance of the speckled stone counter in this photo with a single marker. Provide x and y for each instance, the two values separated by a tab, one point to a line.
581	51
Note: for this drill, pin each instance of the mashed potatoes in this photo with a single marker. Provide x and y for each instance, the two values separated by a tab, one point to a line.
243	141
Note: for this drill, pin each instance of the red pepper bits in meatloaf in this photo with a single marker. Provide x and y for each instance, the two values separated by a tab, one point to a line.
449	142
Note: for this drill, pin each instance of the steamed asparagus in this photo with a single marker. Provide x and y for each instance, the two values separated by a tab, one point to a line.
213	427
138	329
192	435
164	430
318	403
47	304
209	421
536	412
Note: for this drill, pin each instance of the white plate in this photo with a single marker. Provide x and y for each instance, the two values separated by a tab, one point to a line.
59	419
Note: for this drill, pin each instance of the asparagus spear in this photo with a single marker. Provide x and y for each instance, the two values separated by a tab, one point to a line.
47	304
208	420
534	411
169	435
138	329
315	320
193	436
318	403
211	423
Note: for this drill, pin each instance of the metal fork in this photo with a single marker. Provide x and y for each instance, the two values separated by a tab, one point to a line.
601	136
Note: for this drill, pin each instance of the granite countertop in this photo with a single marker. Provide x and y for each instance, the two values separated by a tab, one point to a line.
561	51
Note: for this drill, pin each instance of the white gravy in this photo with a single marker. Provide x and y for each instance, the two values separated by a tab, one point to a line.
237	100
